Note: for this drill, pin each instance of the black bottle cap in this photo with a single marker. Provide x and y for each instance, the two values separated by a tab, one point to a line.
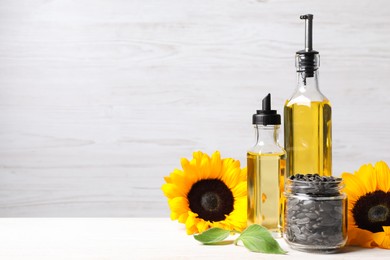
266	116
307	60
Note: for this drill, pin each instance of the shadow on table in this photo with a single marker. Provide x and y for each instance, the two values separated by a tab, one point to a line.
349	249
221	243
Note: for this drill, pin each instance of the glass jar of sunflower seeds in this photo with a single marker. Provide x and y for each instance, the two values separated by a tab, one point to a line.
315	217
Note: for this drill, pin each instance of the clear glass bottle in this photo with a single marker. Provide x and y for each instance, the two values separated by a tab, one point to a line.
307	117
266	170
315	213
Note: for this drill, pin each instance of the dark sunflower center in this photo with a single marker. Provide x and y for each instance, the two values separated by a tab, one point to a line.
211	199
372	211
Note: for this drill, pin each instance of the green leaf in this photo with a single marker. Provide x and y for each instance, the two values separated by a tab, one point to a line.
257	239
212	236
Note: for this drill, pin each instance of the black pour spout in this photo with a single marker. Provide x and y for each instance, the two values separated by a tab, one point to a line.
307	60
266	116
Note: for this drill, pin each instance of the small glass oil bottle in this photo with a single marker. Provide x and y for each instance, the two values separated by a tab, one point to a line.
266	168
307	116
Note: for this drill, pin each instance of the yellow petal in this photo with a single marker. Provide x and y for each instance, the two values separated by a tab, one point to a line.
190	221
240	190
230	163
216	164
351	219
184	163
200	166
367	175
178	204
205	170
191	224
353	185
203	226
188	172
352	197
227	163
170	190
243	175
383	176
183	217
231	177
167	179
379	237
198	156
238	216
192	230
174	215
181	181
383	238
236	221
360	237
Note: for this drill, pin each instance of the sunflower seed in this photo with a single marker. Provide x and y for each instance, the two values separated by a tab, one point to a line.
303	221
311	215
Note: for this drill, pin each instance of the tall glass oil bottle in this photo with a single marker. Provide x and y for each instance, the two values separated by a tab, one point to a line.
266	169
307	116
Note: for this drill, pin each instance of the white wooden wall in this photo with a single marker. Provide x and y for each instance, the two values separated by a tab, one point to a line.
100	99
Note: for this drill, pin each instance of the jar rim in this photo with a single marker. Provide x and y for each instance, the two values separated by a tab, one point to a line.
323	188
335	181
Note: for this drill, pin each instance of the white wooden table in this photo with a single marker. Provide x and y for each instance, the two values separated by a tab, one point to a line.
129	238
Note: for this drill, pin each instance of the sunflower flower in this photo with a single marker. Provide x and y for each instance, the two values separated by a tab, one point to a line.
369	206
207	192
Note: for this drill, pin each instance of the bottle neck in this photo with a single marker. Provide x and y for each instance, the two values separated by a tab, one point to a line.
308	81
267	135
307	86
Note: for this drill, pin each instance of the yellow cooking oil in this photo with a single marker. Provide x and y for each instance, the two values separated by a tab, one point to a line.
265	184
307	136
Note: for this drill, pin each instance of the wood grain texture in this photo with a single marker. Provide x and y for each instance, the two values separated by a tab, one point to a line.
100	99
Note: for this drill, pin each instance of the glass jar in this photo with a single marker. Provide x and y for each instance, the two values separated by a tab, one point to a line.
315	217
